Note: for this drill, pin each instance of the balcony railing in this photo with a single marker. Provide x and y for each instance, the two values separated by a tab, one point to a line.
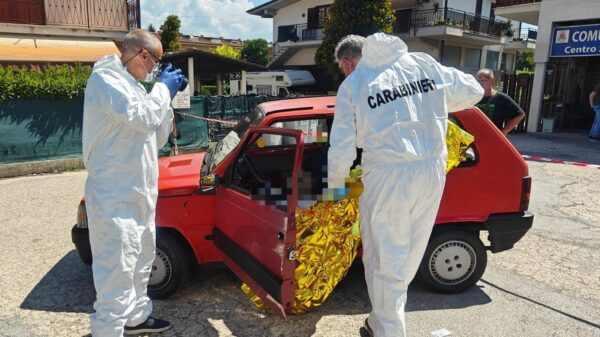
299	32
505	3
527	35
92	14
408	19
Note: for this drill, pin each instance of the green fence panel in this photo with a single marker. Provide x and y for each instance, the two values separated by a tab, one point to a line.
40	129
191	133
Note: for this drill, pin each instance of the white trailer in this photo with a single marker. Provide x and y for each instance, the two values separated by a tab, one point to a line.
277	83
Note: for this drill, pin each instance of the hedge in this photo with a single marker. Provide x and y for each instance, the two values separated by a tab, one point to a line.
55	82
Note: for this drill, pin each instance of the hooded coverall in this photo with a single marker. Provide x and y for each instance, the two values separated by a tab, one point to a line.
395	107
123	128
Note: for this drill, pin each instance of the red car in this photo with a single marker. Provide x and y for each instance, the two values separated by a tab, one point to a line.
236	203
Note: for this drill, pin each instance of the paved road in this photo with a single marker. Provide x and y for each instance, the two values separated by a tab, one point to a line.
549	285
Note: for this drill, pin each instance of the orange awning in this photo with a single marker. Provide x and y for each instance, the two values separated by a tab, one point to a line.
39	50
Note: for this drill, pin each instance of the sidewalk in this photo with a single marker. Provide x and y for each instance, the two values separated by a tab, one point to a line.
568	146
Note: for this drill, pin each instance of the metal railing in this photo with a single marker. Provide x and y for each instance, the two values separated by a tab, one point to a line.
528	35
299	32
407	20
505	3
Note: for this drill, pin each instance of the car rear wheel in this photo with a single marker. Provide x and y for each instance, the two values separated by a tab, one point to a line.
453	262
170	269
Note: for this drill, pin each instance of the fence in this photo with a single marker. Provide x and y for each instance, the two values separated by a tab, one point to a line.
519	87
41	129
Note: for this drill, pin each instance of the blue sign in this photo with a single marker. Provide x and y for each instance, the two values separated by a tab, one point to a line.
575	41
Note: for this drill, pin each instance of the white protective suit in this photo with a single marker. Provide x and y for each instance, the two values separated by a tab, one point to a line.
395	107
123	129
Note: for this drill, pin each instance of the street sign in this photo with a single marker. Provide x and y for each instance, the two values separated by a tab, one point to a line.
575	41
182	99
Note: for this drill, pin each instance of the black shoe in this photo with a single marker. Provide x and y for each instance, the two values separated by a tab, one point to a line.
151	325
366	331
594	139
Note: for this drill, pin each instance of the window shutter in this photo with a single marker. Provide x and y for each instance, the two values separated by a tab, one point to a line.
313	18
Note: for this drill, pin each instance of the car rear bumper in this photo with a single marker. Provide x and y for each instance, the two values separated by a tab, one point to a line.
81	239
506	229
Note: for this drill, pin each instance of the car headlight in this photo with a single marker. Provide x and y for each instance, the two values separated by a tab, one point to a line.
82	221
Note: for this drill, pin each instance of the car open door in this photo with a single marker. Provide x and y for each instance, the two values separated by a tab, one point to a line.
255	229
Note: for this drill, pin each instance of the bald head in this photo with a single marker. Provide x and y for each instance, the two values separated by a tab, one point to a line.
485	77
139	39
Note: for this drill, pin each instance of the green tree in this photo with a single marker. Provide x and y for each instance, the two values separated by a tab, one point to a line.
360	17
256	51
151	28
525	61
226	51
169	33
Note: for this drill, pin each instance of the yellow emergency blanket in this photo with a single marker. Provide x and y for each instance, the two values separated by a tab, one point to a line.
328	235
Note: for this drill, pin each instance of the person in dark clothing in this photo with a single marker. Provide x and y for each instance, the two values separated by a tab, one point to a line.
505	113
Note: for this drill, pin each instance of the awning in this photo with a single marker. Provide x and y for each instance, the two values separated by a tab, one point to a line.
41	50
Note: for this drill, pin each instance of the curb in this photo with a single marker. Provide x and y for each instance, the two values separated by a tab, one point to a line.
559	161
45	166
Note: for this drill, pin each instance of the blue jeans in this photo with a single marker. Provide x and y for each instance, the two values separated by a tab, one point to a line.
595	131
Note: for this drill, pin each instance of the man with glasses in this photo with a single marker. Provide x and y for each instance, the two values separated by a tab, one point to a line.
124	126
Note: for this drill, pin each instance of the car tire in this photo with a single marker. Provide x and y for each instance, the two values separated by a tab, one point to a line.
453	262
170	269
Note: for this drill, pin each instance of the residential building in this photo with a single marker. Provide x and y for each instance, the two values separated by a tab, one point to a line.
206	43
567	60
63	31
461	33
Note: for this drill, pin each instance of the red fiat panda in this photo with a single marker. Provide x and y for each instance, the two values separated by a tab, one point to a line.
236	203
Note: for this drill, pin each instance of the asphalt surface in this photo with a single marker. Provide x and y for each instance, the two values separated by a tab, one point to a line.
548	285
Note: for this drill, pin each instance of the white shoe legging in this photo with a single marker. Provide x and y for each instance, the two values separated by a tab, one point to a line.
397	210
123	248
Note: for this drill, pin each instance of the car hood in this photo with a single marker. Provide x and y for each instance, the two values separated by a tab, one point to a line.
179	175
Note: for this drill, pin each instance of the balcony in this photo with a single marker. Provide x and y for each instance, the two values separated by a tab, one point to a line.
527	11
506	3
448	22
298	33
101	18
523	40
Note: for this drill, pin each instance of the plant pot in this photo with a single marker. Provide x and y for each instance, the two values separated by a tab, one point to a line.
548	124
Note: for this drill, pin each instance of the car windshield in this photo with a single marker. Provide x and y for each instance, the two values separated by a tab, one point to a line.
232	139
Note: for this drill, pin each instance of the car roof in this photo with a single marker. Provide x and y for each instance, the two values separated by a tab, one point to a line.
299	104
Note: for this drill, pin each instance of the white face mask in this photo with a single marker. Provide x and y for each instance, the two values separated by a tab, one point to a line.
151	76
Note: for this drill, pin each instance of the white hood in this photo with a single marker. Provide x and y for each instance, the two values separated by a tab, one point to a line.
381	49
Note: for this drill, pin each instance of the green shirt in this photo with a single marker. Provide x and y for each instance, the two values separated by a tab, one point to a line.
597	97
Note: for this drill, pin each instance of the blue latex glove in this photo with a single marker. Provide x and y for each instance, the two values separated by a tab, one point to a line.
172	78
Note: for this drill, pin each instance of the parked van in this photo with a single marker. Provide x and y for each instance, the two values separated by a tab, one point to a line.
276	83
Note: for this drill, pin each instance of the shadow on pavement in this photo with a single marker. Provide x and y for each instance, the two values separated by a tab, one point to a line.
212	303
67	287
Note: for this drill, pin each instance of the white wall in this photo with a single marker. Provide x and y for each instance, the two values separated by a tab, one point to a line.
292	15
303	57
552	11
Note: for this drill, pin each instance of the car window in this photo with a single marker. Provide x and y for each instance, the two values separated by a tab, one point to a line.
472	154
315	130
264	170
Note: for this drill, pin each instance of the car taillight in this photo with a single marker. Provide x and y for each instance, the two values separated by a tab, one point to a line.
525	194
82	216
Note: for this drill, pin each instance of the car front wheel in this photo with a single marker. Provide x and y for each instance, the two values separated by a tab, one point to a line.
453	262
170	269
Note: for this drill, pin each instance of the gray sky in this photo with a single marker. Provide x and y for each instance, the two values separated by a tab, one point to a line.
216	18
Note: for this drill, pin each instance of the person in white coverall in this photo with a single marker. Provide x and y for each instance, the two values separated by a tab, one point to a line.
123	128
394	106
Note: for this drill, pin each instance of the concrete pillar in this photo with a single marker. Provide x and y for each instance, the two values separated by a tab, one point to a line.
243	83
219	84
191	75
537	95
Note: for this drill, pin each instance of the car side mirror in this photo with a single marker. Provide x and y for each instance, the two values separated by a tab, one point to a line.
209	183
